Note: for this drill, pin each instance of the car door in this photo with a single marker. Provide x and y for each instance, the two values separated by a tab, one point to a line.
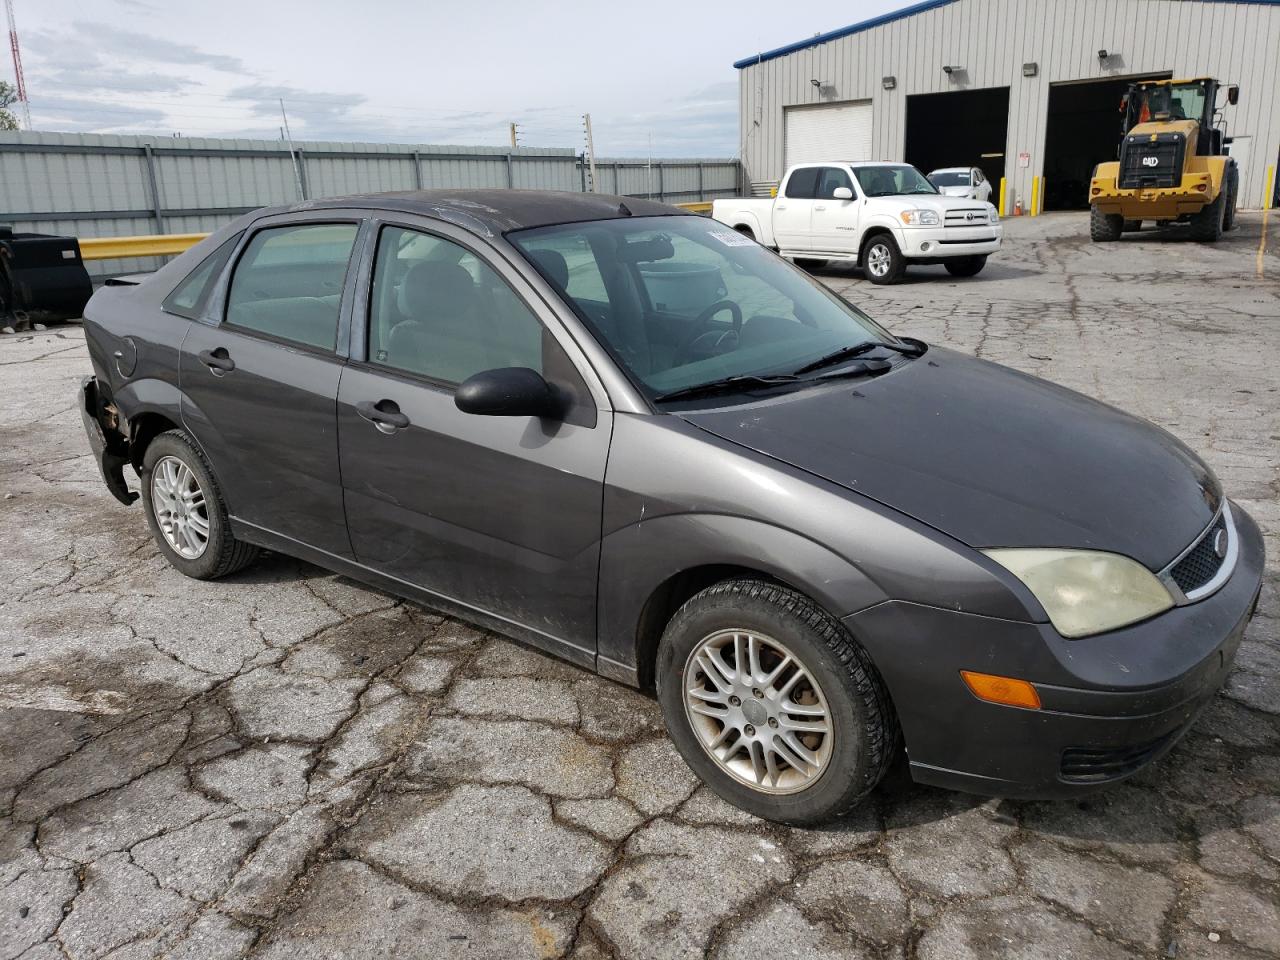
835	221
259	379
498	514
793	210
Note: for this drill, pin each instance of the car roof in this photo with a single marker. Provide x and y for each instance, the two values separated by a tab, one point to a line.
497	211
952	170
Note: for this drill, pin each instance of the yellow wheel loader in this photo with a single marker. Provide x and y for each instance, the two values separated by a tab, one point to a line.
1173	164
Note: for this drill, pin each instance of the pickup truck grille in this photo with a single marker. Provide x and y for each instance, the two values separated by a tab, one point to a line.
966	217
1148	161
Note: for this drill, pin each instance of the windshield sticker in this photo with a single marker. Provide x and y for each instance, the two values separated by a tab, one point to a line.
732	238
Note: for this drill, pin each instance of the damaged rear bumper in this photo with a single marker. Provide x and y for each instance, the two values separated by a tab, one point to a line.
110	448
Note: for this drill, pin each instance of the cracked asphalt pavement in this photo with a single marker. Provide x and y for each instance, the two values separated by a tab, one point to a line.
287	764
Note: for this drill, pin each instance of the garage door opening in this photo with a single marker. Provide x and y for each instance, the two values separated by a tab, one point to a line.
967	128
1083	130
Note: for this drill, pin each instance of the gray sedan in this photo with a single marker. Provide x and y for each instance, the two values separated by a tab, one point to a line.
638	440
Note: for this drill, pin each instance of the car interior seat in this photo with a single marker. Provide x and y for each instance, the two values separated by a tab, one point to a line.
442	335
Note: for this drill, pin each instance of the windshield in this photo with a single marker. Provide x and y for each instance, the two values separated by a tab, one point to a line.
1180	101
949	178
684	301
892	181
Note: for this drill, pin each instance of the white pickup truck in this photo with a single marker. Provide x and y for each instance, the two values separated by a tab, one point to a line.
880	215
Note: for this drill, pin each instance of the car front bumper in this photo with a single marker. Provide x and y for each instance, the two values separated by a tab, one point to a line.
110	449
943	243
1111	703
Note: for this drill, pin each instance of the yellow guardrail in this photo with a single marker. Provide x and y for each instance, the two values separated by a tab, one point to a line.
114	248
163	245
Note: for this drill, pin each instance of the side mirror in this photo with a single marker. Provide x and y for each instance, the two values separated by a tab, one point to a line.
1233	94
508	392
842	193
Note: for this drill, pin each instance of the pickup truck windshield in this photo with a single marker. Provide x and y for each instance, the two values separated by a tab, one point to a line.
683	301
892	181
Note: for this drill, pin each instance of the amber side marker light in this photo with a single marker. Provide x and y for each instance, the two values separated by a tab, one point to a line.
1005	690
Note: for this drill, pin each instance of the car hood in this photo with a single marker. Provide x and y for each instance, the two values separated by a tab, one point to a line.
990	456
954	191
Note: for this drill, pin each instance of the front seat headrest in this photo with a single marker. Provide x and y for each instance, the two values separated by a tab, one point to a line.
436	288
554	266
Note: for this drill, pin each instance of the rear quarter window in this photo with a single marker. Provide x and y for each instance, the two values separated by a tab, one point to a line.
189	297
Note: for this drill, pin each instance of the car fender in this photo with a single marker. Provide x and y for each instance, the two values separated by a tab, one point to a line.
877	220
637	559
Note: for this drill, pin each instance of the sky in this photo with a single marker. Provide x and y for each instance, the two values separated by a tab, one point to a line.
656	77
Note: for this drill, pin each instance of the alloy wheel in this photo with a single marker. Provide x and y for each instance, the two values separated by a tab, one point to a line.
757	711
179	507
878	258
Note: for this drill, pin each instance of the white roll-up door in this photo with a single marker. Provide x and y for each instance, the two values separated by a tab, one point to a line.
828	131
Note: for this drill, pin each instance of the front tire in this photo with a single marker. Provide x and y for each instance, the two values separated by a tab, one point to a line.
882	261
966	266
1104	227
185	510
773	704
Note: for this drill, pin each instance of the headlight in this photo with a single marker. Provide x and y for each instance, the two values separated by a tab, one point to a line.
919	218
1085	591
993	215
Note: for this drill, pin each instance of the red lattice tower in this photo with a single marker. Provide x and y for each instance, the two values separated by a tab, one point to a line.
21	86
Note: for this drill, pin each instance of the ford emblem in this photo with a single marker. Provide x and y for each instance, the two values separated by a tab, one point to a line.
1220	544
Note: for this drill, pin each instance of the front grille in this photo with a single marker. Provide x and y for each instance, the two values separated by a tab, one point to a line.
1151	161
1203	563
967	217
1084	765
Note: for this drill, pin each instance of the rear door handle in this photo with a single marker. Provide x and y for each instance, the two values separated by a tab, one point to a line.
217	360
383	414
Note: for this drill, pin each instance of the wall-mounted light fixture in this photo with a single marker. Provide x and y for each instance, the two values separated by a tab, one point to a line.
1103	55
888	82
816	83
1030	69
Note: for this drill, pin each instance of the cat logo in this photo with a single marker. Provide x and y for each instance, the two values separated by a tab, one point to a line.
1151	161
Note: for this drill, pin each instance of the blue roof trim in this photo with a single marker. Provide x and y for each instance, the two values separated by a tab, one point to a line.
881	21
845	31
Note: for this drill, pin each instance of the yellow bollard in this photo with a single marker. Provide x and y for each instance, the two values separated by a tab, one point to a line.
1035	196
1268	191
1003	211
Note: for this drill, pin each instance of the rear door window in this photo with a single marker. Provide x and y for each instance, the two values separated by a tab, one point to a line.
288	283
802	183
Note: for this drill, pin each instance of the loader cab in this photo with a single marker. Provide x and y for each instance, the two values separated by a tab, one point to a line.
1171	101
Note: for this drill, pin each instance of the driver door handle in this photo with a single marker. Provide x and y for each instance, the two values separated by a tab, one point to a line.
823	207
383	414
217	360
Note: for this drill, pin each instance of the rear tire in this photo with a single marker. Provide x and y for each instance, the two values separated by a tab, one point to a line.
1104	227
840	685
1229	215
966	266
185	510
745	231
1208	224
882	261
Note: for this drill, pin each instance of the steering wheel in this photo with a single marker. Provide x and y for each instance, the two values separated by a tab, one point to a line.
703	321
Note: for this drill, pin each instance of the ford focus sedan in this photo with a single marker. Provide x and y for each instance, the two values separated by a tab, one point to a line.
638	440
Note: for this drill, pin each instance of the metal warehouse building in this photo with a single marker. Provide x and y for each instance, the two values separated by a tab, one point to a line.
1029	90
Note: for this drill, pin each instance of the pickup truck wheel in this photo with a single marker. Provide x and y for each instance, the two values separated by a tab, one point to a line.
186	512
965	266
1104	227
773	704
882	260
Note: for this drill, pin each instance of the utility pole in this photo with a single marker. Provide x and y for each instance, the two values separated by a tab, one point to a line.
21	83
515	133
591	153
297	172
